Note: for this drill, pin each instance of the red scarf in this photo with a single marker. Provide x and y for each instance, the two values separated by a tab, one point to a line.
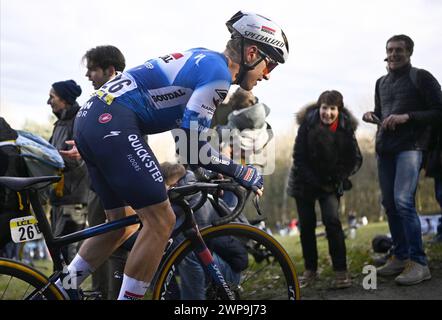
334	125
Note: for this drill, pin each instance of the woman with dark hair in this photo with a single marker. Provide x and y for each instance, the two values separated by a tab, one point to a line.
325	155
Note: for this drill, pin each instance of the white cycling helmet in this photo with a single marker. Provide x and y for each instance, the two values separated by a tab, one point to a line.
263	32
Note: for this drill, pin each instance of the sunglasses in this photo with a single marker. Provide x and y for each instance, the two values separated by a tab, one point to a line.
270	64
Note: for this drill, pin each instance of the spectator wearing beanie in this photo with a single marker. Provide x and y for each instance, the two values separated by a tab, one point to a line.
62	97
69	198
68	90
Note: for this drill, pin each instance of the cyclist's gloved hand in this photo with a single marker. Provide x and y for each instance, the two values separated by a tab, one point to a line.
249	177
205	175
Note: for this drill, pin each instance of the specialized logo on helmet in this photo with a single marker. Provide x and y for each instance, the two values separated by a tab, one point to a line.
105	118
260	29
261	38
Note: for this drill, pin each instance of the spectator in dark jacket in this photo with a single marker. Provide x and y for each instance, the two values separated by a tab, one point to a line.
325	155
407	101
69	197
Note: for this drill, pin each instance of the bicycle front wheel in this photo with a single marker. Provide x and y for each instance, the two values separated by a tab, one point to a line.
21	282
269	275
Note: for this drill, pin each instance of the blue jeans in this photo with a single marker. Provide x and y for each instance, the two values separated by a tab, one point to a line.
398	178
193	278
230	199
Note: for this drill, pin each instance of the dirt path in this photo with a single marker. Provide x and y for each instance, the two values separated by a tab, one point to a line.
387	289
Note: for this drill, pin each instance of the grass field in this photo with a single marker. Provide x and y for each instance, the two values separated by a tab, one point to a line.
359	254
359	250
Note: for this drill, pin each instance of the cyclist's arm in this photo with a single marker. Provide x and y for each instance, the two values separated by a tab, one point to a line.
197	151
204	155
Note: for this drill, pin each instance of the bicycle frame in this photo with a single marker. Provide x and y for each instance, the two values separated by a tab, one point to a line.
191	232
55	244
189	228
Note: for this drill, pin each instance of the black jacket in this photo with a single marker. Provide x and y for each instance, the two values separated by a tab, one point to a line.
396	93
323	160
76	181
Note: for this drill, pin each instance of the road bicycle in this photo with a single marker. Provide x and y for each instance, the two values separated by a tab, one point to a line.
270	272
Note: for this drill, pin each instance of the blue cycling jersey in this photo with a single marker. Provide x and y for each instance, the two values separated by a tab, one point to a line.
180	90
171	91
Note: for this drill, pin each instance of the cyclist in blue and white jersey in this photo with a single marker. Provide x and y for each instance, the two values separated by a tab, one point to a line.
179	90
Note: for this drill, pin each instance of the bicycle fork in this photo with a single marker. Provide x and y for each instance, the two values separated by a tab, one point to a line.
208	262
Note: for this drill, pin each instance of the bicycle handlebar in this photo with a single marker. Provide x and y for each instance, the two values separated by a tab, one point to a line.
214	188
229	215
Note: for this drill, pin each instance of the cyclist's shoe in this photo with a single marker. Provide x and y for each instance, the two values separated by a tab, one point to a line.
249	177
307	278
342	280
394	266
413	273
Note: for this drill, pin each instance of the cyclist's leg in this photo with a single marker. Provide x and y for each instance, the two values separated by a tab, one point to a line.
129	173
115	208
158	221
94	251
107	242
97	141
